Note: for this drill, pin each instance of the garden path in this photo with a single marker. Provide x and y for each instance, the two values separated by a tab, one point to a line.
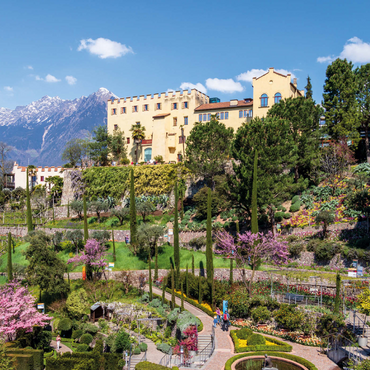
224	349
63	348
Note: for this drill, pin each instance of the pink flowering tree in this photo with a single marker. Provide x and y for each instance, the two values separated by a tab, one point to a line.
251	249
18	312
93	256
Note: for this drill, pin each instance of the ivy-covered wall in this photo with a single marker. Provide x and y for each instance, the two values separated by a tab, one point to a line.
149	179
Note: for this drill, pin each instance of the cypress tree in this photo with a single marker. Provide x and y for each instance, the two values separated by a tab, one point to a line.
176	246
150	279
53	216
28	205
308	88
209	249
68	209
231	277
187	281
182	297
199	290
86	230
156	262
192	265
114	247
133	220
254	221
173	288
164	284
337	295
10	266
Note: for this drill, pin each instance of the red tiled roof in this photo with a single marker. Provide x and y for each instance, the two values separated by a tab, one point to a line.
162	115
222	105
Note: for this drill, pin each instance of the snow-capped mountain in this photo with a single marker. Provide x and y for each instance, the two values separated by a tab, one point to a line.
38	132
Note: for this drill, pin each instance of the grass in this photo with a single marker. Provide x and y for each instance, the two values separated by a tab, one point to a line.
17	257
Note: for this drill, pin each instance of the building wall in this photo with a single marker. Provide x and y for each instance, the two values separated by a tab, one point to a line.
270	84
163	131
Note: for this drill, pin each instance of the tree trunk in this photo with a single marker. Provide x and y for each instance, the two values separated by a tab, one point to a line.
251	280
296	174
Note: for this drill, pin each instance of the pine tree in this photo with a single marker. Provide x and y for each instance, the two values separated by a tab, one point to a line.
10	266
254	221
155	262
133	220
308	88
176	246
187	281
173	288
164	284
114	247
200	297
337	295
150	279
192	265
86	230
28	205
182	297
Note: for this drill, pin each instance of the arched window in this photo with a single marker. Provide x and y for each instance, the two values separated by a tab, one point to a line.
264	100
277	98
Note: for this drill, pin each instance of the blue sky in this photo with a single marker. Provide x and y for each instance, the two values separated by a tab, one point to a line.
72	48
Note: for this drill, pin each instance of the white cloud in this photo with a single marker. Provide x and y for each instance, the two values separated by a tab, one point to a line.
189	86
327	59
356	51
71	80
248	76
29	67
104	48
8	88
49	78
224	85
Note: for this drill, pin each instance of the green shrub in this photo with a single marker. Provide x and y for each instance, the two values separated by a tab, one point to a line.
186	319
287	215
83	347
295	199
326	251
260	315
65	324
173	315
289	317
256	339
295	250
122	342
155	303
86	338
163	347
279	216
313	244
92	220
295	207
77	303
90	328
76	334
244	333
136	351
198	243
291	238
145	365
143	347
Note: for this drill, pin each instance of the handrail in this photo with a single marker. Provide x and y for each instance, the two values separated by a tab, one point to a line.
129	360
341	342
166	359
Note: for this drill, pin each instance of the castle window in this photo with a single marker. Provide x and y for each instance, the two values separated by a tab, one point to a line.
42	178
226	115
185	105
128	140
204	117
145	107
114	111
115	127
134	108
159	106
174	105
240	114
175	121
200	118
264	100
123	110
138	123
186	120
277	98
222	115
209	116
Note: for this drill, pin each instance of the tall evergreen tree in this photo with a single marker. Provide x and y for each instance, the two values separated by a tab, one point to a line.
182	297
192	265
114	247
68	209
308	88
209	249
28	204
172	288
176	245
86	230
10	265
341	108
200	293
254	220
164	284
337	295
187	281
150	279
133	220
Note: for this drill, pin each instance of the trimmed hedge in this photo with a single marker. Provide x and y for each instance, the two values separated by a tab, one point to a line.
37	355
145	365
24	362
283	347
299	360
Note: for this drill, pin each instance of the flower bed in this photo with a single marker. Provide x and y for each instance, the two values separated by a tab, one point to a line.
299	360
271	345
296	337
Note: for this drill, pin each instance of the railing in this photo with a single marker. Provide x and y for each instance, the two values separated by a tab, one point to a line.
208	350
362	327
143	358
166	359
129	359
349	349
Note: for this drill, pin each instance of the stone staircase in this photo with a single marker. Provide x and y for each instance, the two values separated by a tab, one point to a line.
135	359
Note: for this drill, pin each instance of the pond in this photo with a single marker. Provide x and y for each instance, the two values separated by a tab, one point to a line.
256	364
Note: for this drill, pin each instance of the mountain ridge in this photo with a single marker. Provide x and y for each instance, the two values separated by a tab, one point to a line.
38	131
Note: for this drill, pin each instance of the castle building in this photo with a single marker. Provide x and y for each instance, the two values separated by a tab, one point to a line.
169	118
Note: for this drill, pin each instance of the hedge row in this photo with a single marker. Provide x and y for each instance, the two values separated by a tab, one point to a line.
299	360
283	347
37	356
145	365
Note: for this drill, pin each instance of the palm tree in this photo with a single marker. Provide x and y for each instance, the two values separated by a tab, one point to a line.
32	170
138	134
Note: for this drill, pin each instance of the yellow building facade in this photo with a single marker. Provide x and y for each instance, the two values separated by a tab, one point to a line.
169	118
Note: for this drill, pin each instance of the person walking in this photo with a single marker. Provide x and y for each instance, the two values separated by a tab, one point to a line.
58	342
218	313
226	320
215	321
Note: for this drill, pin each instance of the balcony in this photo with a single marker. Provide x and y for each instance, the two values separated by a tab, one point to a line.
10	185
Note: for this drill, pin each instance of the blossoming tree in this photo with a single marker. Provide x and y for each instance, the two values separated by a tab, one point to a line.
251	249
18	311
94	256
